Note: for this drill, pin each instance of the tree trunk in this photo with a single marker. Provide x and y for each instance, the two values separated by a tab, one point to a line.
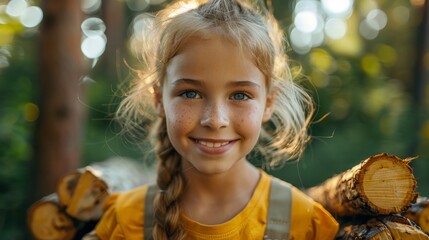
59	129
382	184
113	15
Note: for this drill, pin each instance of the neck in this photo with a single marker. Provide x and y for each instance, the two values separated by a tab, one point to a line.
239	181
216	198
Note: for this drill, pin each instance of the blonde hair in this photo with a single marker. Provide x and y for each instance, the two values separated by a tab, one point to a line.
283	137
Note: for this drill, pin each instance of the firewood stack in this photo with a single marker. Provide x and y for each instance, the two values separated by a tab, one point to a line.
375	199
76	206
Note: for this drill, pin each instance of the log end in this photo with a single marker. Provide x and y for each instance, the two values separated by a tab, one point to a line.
89	195
46	221
66	187
388	184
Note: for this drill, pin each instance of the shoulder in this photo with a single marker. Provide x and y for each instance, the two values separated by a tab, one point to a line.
311	218
123	215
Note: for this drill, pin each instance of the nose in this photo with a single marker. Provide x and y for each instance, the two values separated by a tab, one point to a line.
215	116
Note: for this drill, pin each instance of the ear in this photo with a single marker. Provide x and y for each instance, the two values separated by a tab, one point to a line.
159	106
269	106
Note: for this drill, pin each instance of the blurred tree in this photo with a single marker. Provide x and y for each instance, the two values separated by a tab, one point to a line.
59	129
420	72
113	12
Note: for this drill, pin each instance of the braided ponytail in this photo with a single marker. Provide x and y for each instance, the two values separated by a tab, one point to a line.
171	183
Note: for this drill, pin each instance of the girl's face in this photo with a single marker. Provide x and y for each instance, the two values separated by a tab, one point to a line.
214	99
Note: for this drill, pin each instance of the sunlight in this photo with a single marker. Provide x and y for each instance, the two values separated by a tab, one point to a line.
338	7
93	46
335	28
376	19
16	7
138	5
90	6
306	21
301	41
31	17
93	26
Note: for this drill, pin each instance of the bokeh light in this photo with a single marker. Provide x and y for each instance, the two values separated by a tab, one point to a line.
93	46
31	112
93	26
400	15
306	21
31	16
138	5
337	7
318	22
376	19
367	31
90	6
370	64
335	28
16	7
94	41
301	41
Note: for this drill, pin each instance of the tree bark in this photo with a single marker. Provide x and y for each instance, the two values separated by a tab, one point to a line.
59	129
389	227
113	15
382	184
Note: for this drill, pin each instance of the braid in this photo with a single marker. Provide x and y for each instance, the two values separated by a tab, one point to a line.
170	182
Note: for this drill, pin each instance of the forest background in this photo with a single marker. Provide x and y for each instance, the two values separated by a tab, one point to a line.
365	62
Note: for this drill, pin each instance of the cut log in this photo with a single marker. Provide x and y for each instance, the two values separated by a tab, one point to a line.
74	210
419	213
88	196
47	221
390	227
66	187
83	192
380	185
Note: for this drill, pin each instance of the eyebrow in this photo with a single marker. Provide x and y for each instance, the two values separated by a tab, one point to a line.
243	83
188	81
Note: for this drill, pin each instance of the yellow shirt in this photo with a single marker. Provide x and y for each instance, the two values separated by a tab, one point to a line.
124	214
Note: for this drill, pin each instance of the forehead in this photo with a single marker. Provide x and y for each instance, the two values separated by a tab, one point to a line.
212	58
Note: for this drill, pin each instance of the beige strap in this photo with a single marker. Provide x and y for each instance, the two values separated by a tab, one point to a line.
149	214
279	211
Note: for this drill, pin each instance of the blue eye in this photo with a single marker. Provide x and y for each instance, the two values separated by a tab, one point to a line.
190	94
240	96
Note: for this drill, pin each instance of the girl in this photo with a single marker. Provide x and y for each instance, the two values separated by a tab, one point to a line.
221	86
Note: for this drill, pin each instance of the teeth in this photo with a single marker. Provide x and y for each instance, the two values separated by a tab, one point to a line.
213	144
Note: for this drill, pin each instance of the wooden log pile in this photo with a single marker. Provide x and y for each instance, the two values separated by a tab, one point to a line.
375	199
76	206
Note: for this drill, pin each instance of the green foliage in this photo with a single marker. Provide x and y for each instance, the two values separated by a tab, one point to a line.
18	112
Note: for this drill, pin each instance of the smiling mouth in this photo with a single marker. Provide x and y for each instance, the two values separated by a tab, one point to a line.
212	144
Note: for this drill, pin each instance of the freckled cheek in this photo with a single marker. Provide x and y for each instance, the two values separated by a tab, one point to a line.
249	121
180	118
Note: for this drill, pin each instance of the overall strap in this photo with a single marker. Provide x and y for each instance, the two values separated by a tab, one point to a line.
279	211
149	214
